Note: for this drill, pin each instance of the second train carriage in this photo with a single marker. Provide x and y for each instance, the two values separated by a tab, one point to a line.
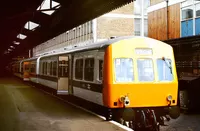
134	75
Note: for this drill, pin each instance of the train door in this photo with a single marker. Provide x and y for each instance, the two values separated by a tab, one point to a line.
26	71
70	74
63	75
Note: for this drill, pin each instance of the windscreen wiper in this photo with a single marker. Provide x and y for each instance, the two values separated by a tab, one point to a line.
168	65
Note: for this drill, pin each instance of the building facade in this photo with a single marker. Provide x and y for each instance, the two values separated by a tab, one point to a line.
130	19
173	19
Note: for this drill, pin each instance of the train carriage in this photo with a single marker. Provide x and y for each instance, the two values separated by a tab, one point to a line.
127	75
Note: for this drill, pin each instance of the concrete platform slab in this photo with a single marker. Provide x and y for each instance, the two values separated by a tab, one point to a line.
24	108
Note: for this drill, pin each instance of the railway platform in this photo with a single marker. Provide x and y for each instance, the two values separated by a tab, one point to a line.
25	108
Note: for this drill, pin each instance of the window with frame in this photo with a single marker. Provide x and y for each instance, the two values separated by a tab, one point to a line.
89	69
43	64
197	10
33	68
187	13
145	70
48	68
164	70
67	35
146	27
124	70
45	68
22	69
138	7
26	67
137	25
63	68
79	69
51	68
85	29
100	69
55	68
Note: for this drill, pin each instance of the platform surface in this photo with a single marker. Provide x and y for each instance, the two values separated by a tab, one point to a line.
25	108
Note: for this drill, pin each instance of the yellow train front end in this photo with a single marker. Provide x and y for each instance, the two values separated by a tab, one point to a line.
140	76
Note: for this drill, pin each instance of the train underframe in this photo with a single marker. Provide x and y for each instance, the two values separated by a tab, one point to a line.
141	119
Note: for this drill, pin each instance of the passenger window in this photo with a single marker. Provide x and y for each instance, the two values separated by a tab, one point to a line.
43	67
55	68
32	68
48	68
124	70
164	70
100	69
51	69
89	69
145	70
79	69
26	66
22	69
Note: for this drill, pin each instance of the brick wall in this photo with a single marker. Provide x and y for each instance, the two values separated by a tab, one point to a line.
153	2
127	9
107	27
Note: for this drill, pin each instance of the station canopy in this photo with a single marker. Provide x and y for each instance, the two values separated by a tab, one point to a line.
25	24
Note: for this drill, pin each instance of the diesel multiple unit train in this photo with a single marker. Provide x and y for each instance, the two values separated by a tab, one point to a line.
134	78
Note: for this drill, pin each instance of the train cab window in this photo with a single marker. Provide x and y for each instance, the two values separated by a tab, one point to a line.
79	69
89	69
145	70
124	70
164	70
100	69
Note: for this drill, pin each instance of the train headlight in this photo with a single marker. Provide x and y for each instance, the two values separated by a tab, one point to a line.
169	97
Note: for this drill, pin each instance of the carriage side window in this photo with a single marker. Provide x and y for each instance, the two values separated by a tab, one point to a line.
33	68
164	70
43	68
51	68
48	68
22	69
89	69
100	69
79	69
40	68
26	66
124	70
54	68
145	70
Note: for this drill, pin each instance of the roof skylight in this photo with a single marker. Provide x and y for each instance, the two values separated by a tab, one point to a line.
21	36
31	25
12	47
16	43
46	4
50	12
